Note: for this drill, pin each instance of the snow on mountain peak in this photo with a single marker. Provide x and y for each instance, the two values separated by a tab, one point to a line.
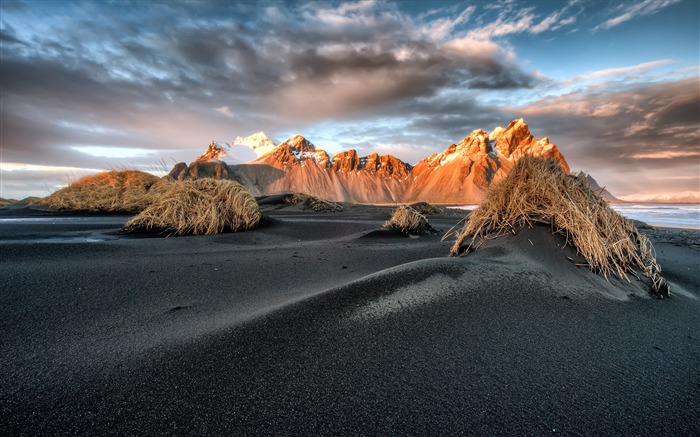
258	142
300	144
478	133
493	136
294	150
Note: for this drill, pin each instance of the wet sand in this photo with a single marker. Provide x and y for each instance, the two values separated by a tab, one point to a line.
322	323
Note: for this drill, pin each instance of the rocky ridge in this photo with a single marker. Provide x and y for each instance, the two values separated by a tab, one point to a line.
464	171
460	174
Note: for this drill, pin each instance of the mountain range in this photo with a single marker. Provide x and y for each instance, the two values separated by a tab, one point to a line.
460	174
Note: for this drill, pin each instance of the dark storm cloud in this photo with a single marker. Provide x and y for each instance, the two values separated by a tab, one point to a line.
7	37
501	79
448	119
45	103
49	82
268	52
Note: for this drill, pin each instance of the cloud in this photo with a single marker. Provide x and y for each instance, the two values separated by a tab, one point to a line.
666	154
170	77
225	110
382	58
114	152
8	37
635	9
514	21
347	80
644	129
505	26
443	28
609	72
23	180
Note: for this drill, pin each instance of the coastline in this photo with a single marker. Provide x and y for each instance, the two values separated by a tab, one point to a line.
674	215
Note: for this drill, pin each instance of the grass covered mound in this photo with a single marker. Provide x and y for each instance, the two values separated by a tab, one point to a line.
200	207
538	190
409	221
111	191
313	203
426	209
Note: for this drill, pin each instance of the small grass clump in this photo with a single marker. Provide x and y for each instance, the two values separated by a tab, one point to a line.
409	221
426	209
111	191
200	207
314	203
539	191
29	201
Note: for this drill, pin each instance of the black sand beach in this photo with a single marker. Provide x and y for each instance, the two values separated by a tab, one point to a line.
322	323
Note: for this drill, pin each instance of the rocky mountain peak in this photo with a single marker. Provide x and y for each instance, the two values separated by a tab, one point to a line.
299	143
294	150
389	166
516	135
215	151
464	171
386	166
346	161
475	143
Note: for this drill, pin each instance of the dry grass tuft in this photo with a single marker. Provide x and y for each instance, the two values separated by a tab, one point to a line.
313	203
111	191
409	221
538	190
200	207
29	201
426	209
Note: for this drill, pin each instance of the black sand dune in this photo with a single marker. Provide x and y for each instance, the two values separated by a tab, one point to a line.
323	324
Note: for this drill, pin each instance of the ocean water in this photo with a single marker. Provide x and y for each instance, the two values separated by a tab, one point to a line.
667	215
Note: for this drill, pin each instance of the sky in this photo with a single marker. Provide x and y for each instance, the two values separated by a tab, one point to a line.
98	85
